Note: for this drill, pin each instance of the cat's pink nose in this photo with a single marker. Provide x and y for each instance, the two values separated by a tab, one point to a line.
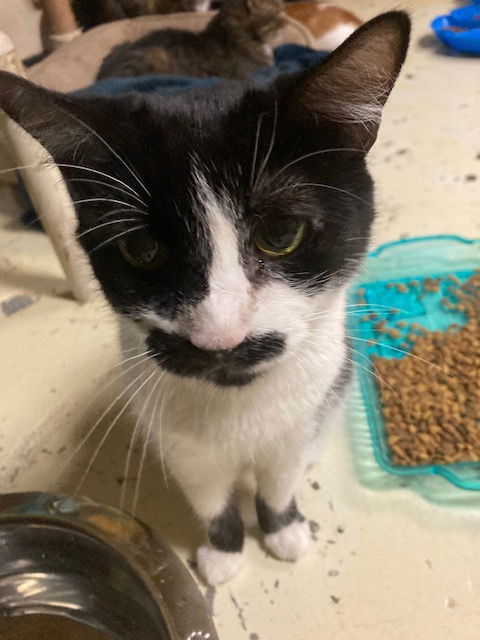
218	340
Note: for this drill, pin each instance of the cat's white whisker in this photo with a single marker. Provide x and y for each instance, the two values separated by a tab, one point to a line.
367	305
160	441
146	443
109	186
315	153
131	446
382	381
92	429
35	165
128	359
365	308
105	224
96	171
348	338
112	150
210	395
408	353
270	148
255	149
355	310
301	364
118	235
330	187
354	362
130	211
87	200
112	425
316	280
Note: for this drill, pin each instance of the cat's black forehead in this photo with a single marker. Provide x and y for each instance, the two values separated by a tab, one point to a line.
234	132
202	120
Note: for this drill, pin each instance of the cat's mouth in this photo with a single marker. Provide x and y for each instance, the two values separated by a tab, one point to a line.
233	367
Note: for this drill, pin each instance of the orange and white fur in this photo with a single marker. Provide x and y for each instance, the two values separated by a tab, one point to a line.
329	25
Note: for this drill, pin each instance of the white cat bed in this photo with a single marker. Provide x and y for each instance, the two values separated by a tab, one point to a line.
75	64
72	66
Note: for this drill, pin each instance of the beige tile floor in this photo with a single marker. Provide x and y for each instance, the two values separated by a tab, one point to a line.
385	564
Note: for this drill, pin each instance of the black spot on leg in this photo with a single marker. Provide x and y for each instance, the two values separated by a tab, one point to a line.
271	521
226	530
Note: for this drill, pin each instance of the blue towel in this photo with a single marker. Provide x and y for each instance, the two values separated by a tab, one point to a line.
288	58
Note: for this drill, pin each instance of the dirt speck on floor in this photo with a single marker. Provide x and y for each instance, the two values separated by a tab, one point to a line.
16	303
314	528
239	609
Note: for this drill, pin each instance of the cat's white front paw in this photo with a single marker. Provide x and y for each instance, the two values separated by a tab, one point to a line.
217	566
291	542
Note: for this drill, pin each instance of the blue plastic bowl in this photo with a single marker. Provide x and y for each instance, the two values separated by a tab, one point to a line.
468	17
467	41
402	262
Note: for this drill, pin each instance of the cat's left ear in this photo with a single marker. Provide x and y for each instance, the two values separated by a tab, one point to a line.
351	86
67	126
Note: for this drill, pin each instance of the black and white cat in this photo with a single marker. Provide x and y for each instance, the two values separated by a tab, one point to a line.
224	228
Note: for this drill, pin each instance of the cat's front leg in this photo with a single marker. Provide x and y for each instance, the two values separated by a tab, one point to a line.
208	485
286	532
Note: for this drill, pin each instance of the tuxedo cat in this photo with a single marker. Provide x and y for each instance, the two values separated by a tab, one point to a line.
224	228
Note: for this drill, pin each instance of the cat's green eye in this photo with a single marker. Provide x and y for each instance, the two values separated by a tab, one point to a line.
142	251
279	236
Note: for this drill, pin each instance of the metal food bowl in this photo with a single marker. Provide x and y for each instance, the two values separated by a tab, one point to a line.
71	569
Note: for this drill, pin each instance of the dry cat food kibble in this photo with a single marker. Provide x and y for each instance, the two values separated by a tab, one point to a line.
394	333
380	326
454	279
431	398
431	285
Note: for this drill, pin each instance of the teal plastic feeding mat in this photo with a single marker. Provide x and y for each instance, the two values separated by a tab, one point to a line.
394	285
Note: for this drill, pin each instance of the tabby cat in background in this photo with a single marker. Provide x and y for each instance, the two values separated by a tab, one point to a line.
90	13
233	45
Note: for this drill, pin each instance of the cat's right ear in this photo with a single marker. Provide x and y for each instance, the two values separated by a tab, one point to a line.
351	86
264	7
68	127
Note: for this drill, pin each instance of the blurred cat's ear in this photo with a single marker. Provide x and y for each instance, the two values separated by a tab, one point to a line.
264	7
65	125
353	83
